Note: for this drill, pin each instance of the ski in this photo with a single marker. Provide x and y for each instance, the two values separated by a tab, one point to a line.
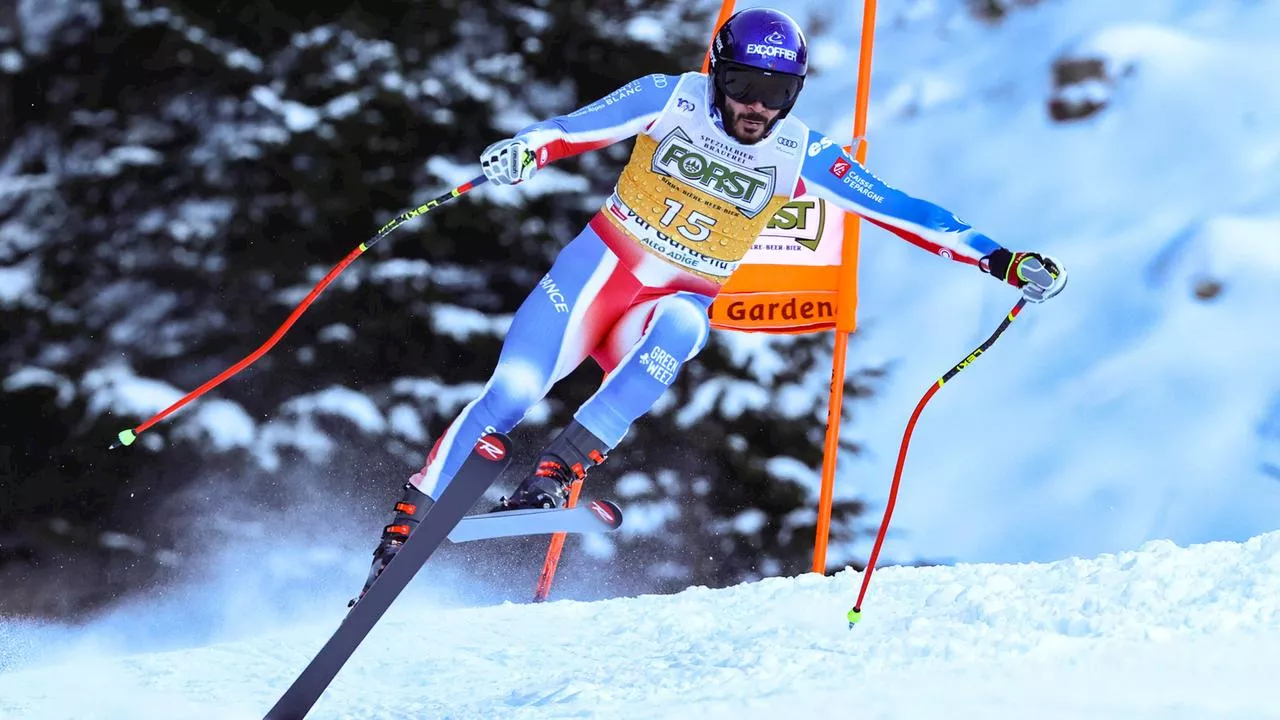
594	517
486	462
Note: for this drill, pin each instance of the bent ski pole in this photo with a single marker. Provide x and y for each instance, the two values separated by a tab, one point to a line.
127	437
855	614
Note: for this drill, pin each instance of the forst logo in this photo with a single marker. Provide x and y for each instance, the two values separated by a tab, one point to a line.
800	221
747	189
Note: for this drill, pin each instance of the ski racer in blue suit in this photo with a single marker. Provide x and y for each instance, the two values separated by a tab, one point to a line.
715	157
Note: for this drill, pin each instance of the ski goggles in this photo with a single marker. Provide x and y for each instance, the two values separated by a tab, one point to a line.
745	84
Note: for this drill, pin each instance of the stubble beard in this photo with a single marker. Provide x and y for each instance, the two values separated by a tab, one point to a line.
738	131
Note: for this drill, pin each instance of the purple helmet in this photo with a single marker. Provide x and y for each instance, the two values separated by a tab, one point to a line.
759	55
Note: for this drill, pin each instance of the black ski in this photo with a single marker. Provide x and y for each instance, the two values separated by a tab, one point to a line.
596	516
485	463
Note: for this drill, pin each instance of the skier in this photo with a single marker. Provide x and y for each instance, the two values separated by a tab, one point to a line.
715	157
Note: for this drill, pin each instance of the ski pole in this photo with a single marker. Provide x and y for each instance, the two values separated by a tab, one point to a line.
855	614
127	437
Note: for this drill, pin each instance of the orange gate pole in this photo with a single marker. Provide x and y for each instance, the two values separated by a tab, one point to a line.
548	574
726	9
848	289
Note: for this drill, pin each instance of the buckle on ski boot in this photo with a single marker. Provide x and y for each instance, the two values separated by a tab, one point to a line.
409	511
566	459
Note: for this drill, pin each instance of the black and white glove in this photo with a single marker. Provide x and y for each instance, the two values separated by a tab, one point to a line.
509	162
1039	277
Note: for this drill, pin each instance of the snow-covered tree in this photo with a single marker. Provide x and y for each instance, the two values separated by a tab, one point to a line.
175	176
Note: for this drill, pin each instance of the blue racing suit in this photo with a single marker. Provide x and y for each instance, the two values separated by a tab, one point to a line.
633	288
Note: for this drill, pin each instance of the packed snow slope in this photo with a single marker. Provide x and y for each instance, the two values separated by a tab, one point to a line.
1126	409
1162	632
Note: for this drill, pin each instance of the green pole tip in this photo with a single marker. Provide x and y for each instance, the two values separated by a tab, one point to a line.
854	616
126	438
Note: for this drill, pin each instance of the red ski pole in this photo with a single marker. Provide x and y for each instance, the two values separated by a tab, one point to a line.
127	437
855	614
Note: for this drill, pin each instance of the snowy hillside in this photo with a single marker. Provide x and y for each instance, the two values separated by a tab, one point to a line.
1128	409
1140	409
1163	632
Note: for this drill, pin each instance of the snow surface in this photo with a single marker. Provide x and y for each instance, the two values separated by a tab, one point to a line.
1162	632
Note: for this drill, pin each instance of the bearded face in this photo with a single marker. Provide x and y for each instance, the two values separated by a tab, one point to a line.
747	123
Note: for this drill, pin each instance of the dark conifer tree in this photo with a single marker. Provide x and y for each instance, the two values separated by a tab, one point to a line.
175	176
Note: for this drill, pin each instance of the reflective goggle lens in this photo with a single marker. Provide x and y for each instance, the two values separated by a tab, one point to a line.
747	85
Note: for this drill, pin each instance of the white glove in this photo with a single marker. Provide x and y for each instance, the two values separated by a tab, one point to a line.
1038	276
509	162
1045	277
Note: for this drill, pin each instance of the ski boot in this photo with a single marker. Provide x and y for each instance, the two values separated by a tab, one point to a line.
565	460
409	511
